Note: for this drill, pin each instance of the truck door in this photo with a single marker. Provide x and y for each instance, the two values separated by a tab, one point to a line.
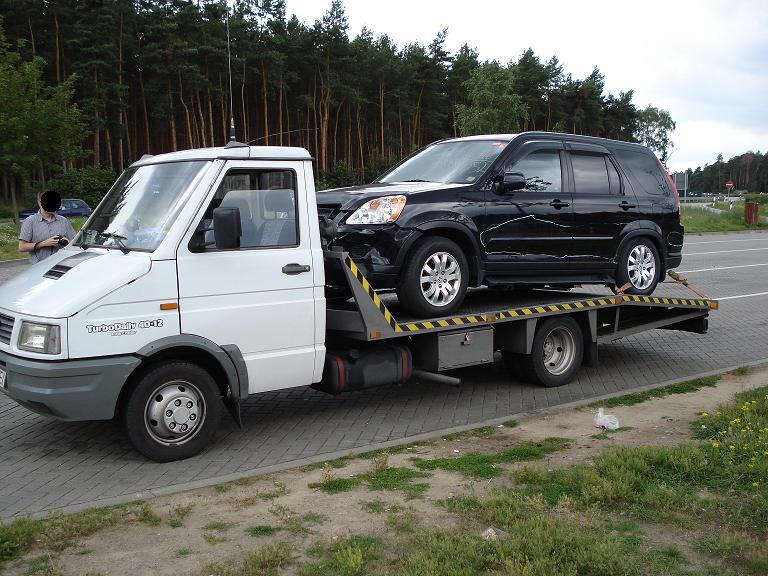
259	296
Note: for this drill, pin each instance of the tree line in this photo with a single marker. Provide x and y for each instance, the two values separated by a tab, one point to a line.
150	76
748	172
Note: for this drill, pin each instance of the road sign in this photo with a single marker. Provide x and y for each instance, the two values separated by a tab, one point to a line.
729	184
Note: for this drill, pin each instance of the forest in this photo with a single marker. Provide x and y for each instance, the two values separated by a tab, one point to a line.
92	86
748	172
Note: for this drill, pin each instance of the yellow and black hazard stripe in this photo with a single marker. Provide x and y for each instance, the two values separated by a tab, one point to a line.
372	293
463	321
666	301
562	307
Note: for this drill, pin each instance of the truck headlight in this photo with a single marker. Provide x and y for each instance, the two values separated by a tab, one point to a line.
378	211
40	338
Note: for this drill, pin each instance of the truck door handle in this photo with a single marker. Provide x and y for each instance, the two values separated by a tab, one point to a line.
626	205
556	203
292	269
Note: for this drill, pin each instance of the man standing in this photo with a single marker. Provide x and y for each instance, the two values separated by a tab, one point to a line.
45	232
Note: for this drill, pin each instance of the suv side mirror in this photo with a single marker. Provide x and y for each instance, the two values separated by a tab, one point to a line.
226	227
510	182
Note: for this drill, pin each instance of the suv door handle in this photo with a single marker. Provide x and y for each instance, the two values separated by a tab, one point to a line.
292	269
626	205
556	203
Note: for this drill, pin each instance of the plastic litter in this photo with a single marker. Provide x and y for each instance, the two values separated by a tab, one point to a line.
606	421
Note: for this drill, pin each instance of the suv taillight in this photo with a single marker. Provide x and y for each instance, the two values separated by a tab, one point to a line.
671	183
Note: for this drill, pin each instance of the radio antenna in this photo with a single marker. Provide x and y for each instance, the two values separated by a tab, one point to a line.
231	97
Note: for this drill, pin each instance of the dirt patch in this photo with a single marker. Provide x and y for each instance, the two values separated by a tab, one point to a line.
220	523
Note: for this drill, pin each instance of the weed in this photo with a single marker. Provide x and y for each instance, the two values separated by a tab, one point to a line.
402	521
261	530
222	488
177	514
244	481
279	488
397	479
146	515
485	465
45	565
183	553
482	432
510	424
741	550
217	526
268	557
401	449
640	397
338	463
213	539
380	463
606	434
345	558
742	370
294	522
336	485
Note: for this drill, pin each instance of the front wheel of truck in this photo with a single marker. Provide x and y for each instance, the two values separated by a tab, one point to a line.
173	411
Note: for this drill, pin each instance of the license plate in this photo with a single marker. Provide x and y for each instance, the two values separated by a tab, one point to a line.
2	378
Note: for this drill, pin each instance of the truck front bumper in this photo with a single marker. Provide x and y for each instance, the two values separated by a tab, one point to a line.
69	389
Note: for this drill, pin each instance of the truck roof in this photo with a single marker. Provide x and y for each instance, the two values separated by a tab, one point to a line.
239	152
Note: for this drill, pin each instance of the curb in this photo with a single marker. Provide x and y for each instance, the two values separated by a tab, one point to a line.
187	486
13	263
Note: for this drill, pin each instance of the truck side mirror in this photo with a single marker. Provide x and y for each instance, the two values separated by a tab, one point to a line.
226	227
510	182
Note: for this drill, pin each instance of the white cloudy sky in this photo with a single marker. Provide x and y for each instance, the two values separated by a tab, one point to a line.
704	61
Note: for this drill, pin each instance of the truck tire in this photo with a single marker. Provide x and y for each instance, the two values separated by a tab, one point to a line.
558	348
639	266
173	411
434	278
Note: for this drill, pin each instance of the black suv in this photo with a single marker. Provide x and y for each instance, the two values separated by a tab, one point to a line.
531	209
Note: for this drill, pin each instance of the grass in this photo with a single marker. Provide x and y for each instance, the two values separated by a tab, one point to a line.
380	478
295	523
9	239
183	553
146	514
749	554
177	515
482	432
261	530
401	449
347	557
510	424
698	219
337	485
266	561
640	397
486	465
606	434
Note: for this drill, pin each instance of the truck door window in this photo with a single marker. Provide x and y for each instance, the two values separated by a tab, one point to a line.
266	200
590	173
541	170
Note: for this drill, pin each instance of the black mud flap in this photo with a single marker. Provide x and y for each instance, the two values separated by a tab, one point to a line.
232	404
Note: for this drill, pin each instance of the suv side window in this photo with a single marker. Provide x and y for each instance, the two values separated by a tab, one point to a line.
590	173
266	200
541	170
646	170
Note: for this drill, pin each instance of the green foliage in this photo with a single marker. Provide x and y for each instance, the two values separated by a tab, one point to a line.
261	530
336	485
486	465
90	183
697	219
347	557
653	129
639	397
493	106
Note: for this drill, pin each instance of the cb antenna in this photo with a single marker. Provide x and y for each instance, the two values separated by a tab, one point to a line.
231	97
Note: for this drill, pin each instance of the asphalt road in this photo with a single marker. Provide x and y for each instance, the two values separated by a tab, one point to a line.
46	464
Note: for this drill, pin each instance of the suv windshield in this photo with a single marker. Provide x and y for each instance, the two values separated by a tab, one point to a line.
448	162
141	206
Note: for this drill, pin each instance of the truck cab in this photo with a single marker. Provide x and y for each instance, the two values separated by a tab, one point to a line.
147	280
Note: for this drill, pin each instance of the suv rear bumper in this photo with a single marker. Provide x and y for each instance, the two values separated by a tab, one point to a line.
68	390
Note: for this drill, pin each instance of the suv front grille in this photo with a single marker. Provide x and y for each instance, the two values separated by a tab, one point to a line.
329	210
6	328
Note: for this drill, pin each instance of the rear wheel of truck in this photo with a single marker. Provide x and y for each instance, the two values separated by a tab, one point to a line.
434	278
556	354
172	412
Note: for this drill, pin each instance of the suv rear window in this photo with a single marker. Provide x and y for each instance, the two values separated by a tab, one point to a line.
590	173
646	170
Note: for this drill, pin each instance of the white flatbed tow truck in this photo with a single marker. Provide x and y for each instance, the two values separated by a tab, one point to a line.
201	279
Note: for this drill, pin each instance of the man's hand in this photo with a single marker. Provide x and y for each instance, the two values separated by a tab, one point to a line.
50	243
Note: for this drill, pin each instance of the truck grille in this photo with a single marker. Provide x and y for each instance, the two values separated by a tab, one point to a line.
6	328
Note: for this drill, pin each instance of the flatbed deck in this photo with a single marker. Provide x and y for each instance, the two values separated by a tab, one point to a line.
370	315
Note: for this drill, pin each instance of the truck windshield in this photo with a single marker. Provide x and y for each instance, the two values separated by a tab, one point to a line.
448	162
141	206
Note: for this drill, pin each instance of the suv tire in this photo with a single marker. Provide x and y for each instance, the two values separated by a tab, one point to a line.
172	411
434	278
639	266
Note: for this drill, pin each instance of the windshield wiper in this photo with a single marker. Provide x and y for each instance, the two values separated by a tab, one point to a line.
110	235
417	180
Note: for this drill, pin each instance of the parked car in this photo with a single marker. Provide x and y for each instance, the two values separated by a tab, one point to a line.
69	207
532	209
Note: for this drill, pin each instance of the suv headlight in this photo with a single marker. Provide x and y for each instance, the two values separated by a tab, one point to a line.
40	338
378	211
